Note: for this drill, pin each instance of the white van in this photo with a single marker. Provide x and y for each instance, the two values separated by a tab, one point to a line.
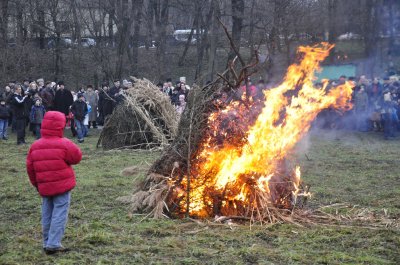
182	35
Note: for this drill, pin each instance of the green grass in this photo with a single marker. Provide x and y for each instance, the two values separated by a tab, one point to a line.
354	168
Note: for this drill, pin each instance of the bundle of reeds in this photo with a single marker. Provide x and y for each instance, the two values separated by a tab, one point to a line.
146	119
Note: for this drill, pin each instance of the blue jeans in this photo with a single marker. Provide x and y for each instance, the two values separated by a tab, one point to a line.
54	218
3	128
81	129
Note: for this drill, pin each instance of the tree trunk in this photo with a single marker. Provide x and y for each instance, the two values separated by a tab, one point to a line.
123	25
4	23
213	38
20	23
370	31
237	25
161	11
391	26
41	26
252	25
332	8
77	25
187	44
137	10
111	19
58	58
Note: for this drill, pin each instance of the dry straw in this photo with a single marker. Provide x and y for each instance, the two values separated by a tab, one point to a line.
145	120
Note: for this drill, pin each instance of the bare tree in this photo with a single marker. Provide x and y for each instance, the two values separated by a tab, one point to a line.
161	16
215	16
237	25
4	22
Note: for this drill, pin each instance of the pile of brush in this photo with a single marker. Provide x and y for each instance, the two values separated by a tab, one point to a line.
146	119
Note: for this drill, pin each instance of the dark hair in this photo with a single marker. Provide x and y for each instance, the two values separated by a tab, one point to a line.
168	79
89	86
60	83
343	76
116	80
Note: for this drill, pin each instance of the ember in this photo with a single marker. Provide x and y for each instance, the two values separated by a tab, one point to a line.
241	167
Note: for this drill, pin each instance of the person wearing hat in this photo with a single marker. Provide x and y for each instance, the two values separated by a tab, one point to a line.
5	114
115	89
36	116
40	83
182	79
63	99
79	109
46	93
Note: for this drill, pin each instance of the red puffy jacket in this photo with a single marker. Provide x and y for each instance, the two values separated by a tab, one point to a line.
50	158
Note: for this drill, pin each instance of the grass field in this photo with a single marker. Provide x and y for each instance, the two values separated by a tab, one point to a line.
359	169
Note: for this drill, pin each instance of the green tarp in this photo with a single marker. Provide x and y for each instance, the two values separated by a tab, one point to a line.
333	72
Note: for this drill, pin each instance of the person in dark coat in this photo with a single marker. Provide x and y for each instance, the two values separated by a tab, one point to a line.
115	89
19	103
5	114
79	109
63	99
175	96
47	97
106	102
50	172
36	116
7	94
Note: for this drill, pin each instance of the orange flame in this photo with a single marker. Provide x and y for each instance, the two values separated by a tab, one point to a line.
245	170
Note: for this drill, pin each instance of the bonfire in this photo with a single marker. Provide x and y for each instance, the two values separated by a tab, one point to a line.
230	158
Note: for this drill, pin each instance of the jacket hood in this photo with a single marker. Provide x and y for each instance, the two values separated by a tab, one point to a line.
53	124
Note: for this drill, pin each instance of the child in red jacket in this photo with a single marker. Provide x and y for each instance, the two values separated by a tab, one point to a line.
49	168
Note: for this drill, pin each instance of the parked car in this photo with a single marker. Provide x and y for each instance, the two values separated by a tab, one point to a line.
300	36
182	35
153	45
86	42
65	42
350	36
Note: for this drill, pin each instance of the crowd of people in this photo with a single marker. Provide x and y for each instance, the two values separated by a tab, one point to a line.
23	105
376	106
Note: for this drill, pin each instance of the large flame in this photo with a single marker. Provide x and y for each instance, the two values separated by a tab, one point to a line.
241	166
